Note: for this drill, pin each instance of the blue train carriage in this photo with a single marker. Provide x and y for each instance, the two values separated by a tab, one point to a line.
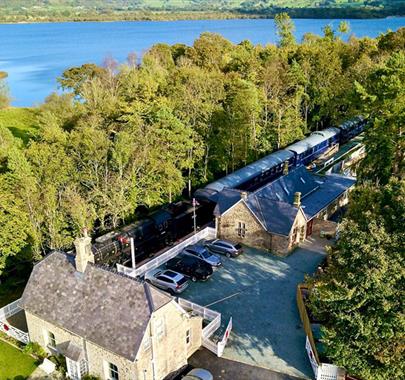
351	128
254	174
310	148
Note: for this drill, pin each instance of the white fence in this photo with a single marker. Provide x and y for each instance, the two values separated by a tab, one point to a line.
7	312
323	371
216	347
206	233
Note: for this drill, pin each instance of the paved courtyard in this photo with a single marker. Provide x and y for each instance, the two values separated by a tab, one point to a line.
258	290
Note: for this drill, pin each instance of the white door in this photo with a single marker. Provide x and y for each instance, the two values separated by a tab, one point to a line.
73	369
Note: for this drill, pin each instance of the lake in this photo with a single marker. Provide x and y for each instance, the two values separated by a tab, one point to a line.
34	55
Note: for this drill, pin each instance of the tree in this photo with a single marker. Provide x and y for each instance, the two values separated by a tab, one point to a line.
285	30
74	78
15	228
4	93
383	99
359	297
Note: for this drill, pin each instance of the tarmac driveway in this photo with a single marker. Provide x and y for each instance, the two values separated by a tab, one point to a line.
258	290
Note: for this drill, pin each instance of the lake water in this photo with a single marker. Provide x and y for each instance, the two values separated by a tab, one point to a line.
34	55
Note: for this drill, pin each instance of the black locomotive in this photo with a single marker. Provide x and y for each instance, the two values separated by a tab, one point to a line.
158	230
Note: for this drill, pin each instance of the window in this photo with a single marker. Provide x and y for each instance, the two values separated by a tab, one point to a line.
188	337
241	229
146	343
113	372
51	340
160	328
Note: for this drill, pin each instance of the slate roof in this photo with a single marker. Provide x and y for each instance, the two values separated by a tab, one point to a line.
331	188
71	351
225	200
317	192
103	307
273	204
284	188
276	217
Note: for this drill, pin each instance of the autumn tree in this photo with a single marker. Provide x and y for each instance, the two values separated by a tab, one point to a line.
4	94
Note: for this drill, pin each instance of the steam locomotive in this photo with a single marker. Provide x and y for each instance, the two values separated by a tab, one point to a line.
158	230
174	221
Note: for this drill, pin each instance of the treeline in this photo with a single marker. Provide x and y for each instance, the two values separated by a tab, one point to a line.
144	134
97	10
359	297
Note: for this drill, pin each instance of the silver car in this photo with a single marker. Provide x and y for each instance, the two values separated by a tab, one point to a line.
224	247
202	253
198	374
167	279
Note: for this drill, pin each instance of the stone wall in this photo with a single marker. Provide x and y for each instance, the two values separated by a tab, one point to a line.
167	342
255	234
98	358
323	225
164	339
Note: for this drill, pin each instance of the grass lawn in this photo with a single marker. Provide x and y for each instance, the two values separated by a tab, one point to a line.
14	364
22	122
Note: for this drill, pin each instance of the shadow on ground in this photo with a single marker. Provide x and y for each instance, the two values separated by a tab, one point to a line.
258	290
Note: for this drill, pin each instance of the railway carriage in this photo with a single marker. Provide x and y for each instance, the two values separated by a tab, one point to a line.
310	148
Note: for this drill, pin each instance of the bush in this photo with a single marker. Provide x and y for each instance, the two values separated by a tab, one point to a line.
35	349
90	377
60	362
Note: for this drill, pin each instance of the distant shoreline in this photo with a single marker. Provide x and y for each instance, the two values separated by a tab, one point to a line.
296	13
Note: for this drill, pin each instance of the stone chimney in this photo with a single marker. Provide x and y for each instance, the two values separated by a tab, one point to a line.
285	168
84	253
244	195
297	199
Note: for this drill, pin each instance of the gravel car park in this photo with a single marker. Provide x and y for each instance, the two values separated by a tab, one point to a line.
258	290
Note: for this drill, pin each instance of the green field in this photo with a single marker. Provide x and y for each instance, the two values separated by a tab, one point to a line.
14	364
22	122
87	10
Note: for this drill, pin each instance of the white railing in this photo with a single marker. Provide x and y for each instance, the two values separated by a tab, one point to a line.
215	317
206	233
7	312
323	371
14	332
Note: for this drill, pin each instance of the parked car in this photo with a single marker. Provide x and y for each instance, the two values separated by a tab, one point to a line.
202	253
224	247
169	280
198	374
190	266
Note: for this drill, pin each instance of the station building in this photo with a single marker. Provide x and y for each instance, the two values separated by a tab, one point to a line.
281	214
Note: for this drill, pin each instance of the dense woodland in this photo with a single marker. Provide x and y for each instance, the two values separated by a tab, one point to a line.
144	134
86	10
359	298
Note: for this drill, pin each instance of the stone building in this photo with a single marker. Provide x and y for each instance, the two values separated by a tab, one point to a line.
104	323
281	214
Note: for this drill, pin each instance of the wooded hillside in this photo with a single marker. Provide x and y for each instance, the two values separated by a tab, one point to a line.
54	10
